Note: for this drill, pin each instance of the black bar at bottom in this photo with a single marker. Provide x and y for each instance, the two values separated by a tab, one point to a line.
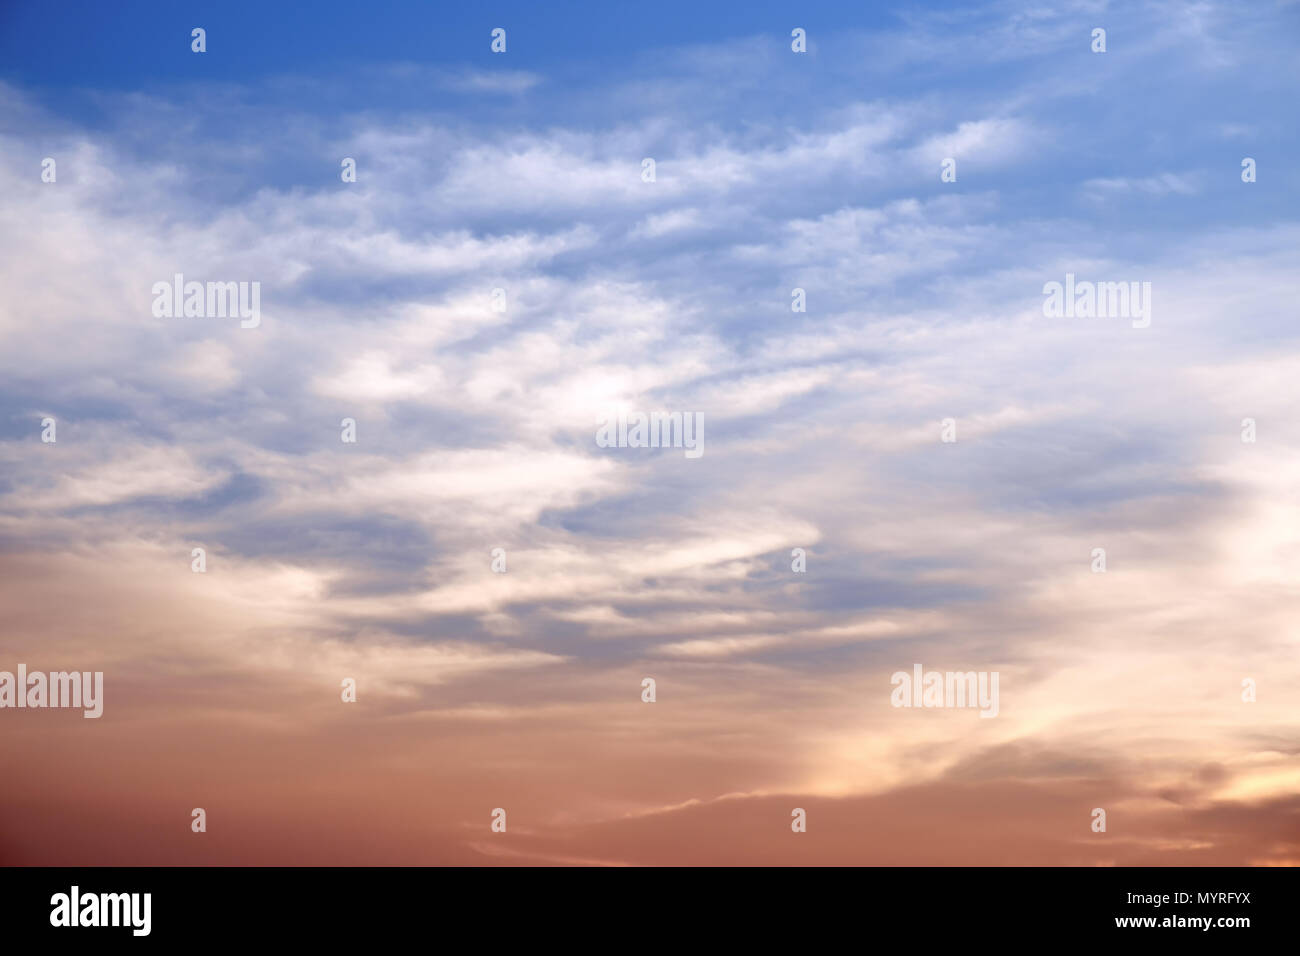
648	907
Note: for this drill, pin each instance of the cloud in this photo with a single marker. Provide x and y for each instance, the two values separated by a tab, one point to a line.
507	81
1162	185
476	431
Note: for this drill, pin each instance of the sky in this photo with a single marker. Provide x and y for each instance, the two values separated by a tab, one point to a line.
371	560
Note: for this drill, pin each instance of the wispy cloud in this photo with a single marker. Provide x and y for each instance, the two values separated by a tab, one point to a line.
500	275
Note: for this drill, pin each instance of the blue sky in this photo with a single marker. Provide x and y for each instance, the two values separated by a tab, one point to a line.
775	171
126	46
